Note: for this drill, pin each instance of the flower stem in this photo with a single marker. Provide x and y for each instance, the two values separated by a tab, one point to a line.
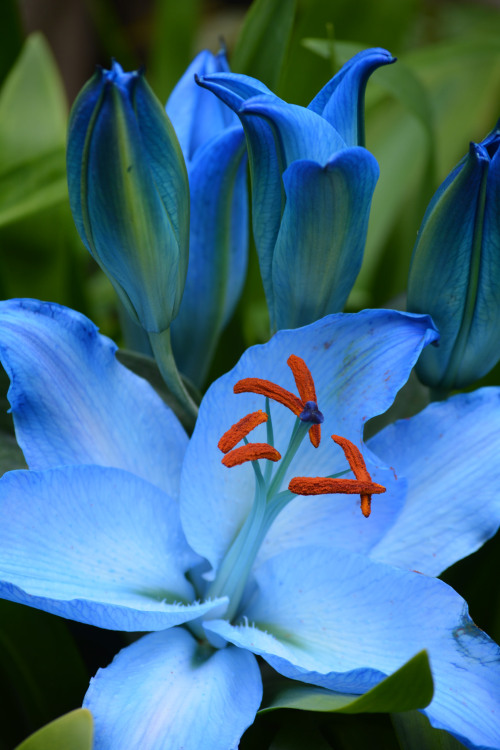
162	349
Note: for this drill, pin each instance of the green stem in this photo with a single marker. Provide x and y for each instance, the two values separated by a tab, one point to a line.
162	350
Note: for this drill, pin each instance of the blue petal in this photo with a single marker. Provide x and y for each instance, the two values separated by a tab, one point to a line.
336	520
299	133
341	101
164	692
218	251
267	191
95	545
73	403
449	456
358	362
343	622
322	236
196	114
459	241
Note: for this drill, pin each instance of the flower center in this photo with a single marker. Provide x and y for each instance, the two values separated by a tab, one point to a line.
270	498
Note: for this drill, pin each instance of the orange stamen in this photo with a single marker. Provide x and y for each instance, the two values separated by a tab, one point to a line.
327	485
272	391
241	429
315	434
250	452
303	378
358	467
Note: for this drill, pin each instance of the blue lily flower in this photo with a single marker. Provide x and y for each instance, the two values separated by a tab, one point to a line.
312	185
129	193
118	506
455	270
213	144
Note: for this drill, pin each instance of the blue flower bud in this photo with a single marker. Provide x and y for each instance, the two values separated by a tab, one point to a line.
129	193
455	270
312	185
213	144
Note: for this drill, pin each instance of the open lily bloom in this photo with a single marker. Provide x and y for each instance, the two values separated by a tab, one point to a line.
123	523
213	145
312	186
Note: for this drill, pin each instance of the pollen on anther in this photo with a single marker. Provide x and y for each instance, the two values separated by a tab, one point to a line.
241	429
303	378
272	391
250	452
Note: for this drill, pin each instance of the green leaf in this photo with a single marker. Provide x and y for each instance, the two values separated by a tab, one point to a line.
32	134
174	28
414	732
72	731
408	688
263	40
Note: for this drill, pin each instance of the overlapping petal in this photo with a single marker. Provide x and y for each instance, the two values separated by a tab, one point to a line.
358	363
196	115
342	621
326	215
73	403
449	456
341	101
164	692
218	250
96	545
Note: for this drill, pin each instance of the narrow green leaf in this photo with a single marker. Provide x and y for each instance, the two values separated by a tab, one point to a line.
73	730
408	688
263	40
414	732
32	134
174	28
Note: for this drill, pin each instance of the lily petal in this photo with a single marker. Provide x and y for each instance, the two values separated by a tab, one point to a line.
218	250
326	216
341	101
299	133
343	622
197	115
95	545
265	168
449	456
175	694
358	363
73	403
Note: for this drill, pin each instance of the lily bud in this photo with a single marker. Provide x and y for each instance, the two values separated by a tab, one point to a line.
129	193
455	270
312	186
213	144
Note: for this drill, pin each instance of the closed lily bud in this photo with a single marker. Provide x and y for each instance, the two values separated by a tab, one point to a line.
455	270
312	185
213	143
129	193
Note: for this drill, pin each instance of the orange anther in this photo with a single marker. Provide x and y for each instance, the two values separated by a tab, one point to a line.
241	429
303	378
250	452
272	391
358	467
327	486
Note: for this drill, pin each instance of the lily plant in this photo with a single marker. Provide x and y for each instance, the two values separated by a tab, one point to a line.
258	537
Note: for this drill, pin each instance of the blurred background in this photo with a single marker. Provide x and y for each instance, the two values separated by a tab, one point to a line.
421	115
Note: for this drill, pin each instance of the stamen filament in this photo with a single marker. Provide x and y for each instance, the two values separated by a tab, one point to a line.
299	432
270	439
